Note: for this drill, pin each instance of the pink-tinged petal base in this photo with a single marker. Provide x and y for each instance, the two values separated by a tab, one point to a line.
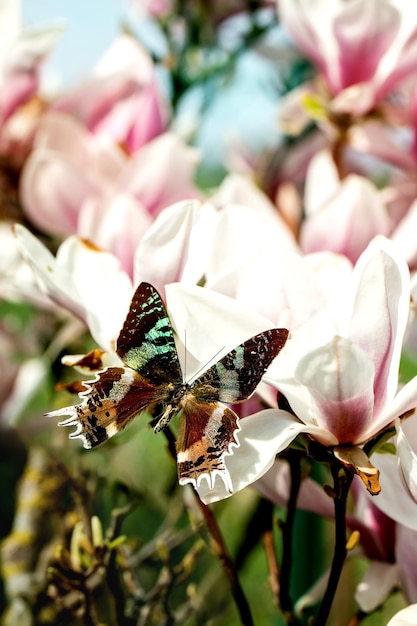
339	377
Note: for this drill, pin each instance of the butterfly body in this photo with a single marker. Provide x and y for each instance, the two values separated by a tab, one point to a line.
151	381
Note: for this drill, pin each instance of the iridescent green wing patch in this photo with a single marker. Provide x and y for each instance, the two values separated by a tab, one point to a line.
146	341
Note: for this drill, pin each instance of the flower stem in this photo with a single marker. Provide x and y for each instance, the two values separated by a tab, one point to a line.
342	482
238	594
287	536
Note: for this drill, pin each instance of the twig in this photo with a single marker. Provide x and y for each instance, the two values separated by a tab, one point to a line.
342	482
287	533
228	566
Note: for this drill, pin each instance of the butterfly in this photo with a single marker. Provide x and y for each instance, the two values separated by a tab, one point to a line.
152	381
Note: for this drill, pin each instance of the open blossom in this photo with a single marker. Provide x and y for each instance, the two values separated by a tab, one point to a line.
362	49
343	390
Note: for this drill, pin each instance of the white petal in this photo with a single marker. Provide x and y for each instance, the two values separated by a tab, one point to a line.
407	462
393	500
378	582
262	437
405	617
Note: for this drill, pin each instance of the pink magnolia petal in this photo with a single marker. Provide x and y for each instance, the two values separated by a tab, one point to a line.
51	279
403	235
161	173
101	161
275	485
116	225
401	59
348	221
316	195
20	75
246	240
379	580
364	31
309	24
261	438
384	292
52	192
339	377
210	323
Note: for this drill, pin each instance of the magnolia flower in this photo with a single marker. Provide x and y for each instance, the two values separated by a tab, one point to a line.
342	384
75	183
362	49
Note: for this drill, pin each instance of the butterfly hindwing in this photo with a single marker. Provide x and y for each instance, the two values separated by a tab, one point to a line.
109	403
208	432
146	342
235	377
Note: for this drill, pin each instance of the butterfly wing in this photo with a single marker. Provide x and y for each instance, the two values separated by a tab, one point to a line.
109	403
209	428
208	432
235	377
146	341
118	394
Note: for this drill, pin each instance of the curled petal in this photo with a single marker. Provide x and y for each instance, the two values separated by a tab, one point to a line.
355	459
177	246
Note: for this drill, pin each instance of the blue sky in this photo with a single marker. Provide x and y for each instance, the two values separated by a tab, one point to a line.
91	26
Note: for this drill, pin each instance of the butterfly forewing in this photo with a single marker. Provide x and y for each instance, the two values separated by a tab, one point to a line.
146	342
235	377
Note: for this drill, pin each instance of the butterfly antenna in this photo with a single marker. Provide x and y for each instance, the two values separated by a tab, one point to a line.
185	354
204	367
